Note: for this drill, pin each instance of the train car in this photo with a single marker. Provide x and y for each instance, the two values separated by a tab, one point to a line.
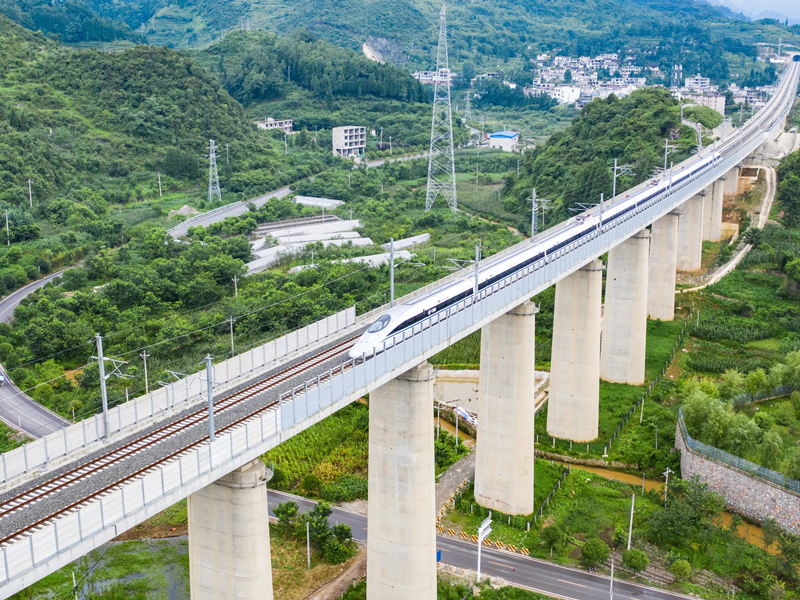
412	312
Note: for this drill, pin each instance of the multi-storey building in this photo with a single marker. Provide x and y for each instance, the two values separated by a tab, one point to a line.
270	123
349	142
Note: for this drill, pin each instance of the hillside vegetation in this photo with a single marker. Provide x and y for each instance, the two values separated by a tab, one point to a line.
492	33
575	165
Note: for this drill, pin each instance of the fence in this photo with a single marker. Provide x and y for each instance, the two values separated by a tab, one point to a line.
175	396
654	383
514	521
560	444
735	461
771	394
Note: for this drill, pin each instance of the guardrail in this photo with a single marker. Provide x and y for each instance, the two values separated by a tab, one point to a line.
735	461
176	396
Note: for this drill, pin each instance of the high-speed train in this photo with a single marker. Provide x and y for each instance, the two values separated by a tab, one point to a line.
415	310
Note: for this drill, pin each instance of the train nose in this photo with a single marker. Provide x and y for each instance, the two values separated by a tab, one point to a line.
360	349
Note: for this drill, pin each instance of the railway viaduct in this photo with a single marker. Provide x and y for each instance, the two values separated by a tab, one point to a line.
63	495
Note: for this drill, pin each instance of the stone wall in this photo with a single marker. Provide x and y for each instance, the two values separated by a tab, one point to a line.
746	494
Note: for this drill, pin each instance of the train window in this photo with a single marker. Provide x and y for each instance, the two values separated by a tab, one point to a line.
379	324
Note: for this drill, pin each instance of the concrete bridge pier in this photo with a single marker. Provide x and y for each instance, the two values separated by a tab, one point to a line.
663	264
712	212
731	186
401	562
622	352
574	403
690	235
229	554
504	458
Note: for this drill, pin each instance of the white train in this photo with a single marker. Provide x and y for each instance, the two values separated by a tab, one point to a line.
415	310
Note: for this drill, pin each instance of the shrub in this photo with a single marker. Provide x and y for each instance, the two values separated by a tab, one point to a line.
784	414
594	551
681	569
311	483
278	480
635	559
336	552
345	489
795	399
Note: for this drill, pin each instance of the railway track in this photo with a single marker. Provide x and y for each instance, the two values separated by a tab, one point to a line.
59	483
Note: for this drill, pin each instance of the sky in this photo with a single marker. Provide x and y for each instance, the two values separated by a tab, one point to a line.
791	8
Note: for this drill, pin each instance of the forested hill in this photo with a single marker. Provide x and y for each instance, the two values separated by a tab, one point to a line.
69	118
69	21
575	165
257	66
490	33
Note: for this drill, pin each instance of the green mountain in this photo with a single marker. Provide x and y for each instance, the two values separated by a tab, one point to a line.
491	33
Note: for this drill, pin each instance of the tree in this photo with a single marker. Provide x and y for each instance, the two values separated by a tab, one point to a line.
468	71
790	549
788	198
770	531
594	552
567	76
681	569
552	537
771	450
286	513
755	382
635	559
791	466
731	384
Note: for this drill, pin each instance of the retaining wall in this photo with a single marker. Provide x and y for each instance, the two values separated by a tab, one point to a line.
745	494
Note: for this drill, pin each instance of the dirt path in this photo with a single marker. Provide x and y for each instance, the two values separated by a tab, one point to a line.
763	217
337	586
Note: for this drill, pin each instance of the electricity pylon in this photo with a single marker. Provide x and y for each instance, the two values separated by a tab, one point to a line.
441	162
213	176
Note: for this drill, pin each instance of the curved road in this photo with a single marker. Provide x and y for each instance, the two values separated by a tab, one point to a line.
16	408
238	208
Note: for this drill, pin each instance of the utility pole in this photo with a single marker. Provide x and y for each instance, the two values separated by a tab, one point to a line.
441	158
535	204
145	356
74	586
517	167
227	155
477	260
285	143
391	272
30	194
666	485
630	527
308	543
623	170
210	392
381	142
101	365
232	348
214	191
236	286
476	177
160	195
8	235
390	145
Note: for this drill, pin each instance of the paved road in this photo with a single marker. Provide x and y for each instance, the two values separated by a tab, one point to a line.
16	409
517	569
232	210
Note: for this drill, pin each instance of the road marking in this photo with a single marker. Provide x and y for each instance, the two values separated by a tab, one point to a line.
499	564
572	583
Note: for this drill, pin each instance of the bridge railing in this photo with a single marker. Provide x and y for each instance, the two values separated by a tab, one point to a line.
36	455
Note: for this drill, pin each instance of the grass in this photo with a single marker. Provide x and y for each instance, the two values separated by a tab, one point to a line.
144	569
329	460
464	354
331	448
617	399
545	478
